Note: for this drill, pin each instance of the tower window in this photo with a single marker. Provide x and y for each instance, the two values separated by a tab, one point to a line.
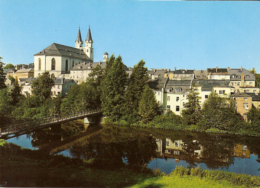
53	64
40	64
67	66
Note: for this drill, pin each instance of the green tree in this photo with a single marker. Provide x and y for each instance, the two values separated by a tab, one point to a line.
41	87
138	81
191	113
148	107
68	103
113	89
253	117
2	78
12	79
16	93
5	104
9	66
220	113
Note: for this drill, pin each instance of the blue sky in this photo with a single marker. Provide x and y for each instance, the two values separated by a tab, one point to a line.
168	34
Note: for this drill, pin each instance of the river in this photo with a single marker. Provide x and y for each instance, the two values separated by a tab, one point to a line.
115	146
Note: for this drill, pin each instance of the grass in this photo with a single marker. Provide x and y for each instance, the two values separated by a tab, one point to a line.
184	181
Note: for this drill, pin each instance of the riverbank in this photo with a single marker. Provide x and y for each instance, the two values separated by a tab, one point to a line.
245	131
33	168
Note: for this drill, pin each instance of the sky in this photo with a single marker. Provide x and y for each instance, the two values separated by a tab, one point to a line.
165	34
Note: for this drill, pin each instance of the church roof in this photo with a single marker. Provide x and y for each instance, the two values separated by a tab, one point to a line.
62	50
89	37
79	39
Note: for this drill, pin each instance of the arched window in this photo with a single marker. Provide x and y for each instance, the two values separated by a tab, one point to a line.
67	66
53	64
73	63
40	64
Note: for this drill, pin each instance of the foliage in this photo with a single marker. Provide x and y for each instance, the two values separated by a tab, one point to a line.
5	103
219	112
191	113
41	87
9	66
148	107
253	117
15	93
2	78
113	89
12	79
138	81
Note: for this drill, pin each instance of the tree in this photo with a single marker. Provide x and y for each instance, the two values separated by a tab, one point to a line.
253	117
2	78
220	113
191	113
138	81
5	103
9	66
41	87
113	89
148	107
16	93
12	79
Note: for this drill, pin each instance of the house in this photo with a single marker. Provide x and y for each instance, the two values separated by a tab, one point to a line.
243	103
218	74
61	86
181	74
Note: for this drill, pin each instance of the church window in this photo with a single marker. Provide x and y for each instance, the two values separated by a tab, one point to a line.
53	63
67	66
40	64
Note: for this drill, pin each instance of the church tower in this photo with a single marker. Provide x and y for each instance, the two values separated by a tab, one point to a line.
89	45
79	42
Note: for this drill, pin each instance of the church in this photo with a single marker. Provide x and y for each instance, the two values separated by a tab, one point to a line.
59	59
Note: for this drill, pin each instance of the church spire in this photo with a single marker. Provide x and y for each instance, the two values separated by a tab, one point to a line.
78	42
79	39
89	37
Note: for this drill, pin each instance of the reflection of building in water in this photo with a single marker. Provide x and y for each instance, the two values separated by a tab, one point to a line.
159	149
179	150
241	151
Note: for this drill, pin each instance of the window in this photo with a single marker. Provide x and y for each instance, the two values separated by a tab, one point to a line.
177	108
206	96
250	83
183	103
238	83
53	64
169	106
245	105
177	99
168	98
245	98
220	92
40	64
73	63
247	90
167	143
67	66
176	144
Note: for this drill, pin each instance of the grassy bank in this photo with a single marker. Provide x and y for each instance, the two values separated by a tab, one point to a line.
23	167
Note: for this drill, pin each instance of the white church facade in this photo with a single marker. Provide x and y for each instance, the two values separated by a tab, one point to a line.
59	59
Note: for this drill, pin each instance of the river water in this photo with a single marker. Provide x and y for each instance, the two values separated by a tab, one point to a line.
115	146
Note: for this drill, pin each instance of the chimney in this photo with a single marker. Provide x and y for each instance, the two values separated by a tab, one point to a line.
242	80
241	68
175	68
228	68
216	69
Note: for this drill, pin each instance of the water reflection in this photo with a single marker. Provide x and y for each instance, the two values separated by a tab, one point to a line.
115	146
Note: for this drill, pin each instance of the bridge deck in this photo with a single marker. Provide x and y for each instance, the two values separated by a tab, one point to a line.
22	128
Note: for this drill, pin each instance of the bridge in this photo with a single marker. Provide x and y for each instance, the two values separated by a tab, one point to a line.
17	129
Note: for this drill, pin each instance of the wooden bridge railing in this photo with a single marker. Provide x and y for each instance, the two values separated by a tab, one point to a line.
40	122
